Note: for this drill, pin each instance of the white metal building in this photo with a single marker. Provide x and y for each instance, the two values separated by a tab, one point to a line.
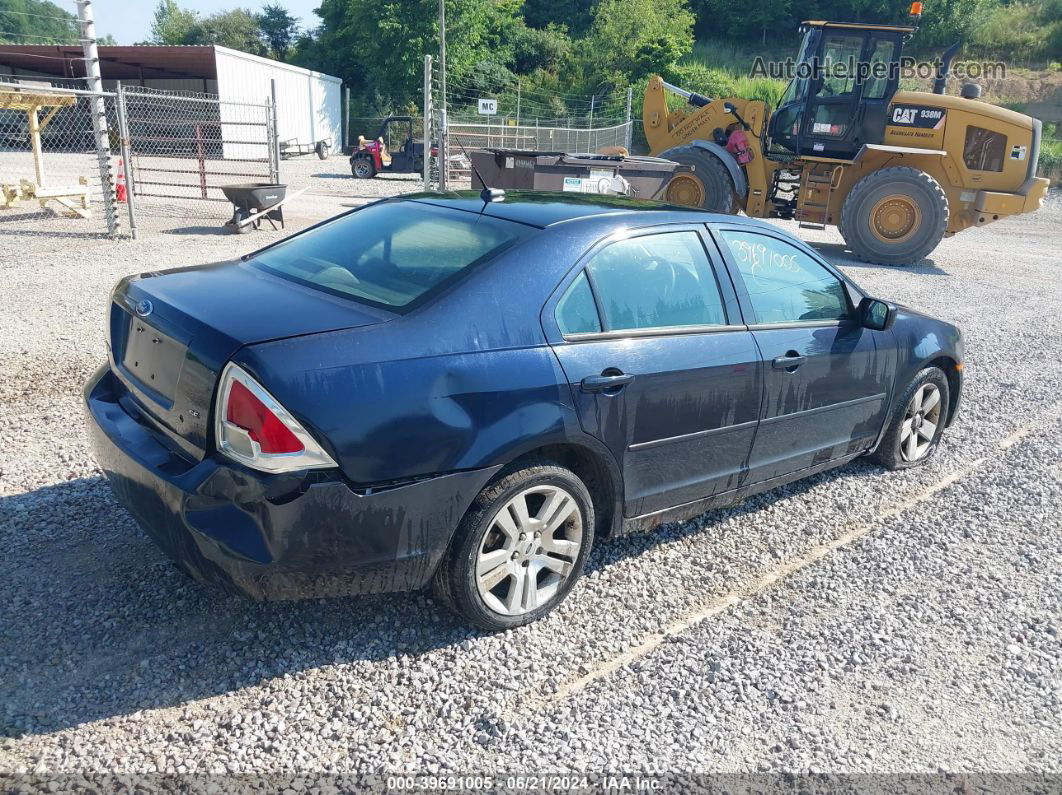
308	102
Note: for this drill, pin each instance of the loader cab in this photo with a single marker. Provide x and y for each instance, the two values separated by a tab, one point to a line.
846	75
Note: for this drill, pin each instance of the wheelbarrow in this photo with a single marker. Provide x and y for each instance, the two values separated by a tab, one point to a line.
254	201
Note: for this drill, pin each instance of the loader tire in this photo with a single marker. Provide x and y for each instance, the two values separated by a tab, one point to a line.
895	216
708	186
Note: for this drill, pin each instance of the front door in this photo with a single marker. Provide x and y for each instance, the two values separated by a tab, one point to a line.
829	126
879	85
826	381
660	367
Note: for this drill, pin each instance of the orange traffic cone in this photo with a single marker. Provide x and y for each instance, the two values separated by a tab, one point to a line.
119	185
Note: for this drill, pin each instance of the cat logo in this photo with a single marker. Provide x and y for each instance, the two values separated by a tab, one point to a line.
917	116
904	115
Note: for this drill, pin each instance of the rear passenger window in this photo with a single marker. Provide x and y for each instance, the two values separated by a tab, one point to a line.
576	311
656	281
784	284
984	149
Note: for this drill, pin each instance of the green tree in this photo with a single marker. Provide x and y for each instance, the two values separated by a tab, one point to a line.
237	29
36	22
630	39
173	24
572	14
378	46
279	29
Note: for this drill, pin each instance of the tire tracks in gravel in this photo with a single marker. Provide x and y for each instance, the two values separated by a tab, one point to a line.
720	604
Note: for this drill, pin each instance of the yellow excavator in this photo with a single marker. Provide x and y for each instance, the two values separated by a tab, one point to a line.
895	170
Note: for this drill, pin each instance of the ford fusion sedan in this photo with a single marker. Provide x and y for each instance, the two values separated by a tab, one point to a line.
466	393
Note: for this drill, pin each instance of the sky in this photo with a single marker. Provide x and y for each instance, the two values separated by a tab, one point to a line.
129	21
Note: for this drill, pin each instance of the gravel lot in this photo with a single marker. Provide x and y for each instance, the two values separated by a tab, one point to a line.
860	621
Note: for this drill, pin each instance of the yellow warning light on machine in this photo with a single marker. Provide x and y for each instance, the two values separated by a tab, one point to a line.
916	9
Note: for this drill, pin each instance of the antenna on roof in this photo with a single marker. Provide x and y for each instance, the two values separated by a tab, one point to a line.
487	195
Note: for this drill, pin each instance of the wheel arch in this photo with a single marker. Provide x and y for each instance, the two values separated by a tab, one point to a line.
592	464
951	371
737	176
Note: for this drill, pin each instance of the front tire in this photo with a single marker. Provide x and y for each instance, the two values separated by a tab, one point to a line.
917	423
895	216
363	168
519	549
708	186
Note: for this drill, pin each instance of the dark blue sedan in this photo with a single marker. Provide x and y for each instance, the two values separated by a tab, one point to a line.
441	389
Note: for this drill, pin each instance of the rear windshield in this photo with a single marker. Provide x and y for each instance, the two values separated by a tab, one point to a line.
393	254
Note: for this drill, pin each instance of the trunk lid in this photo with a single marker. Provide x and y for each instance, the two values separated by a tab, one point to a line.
172	332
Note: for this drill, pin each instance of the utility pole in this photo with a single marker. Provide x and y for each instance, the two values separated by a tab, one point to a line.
444	132
98	110
518	86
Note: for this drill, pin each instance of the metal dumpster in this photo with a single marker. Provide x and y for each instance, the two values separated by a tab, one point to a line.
634	176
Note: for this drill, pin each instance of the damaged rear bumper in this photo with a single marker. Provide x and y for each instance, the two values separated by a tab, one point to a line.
303	535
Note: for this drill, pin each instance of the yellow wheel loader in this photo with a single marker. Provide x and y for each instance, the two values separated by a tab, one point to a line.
896	171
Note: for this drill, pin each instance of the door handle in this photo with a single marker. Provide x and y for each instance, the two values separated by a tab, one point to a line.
790	362
606	382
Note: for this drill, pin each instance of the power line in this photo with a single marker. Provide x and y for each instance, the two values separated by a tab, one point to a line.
70	20
530	90
48	39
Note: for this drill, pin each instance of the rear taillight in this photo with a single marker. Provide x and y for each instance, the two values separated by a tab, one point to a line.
248	413
255	430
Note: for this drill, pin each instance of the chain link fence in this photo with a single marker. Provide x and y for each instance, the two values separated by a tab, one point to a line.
510	117
56	175
183	147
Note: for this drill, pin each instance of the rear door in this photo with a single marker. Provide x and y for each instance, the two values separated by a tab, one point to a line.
825	380
661	368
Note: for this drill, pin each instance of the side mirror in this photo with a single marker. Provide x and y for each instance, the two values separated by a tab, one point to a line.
876	315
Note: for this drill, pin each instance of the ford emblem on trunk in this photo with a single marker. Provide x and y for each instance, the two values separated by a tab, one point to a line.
143	308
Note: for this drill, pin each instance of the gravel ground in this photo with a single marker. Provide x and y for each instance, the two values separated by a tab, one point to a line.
857	622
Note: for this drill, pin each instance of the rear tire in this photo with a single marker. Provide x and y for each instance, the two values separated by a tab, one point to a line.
895	216
363	168
909	441
708	186
507	567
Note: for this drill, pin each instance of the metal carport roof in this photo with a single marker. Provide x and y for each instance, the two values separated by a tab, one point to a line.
137	62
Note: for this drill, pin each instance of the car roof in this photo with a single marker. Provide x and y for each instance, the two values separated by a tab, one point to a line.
543	209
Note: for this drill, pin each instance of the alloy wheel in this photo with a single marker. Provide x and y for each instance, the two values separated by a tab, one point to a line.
920	422
529	550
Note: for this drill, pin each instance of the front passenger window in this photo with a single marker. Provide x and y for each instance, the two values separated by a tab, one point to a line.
784	284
